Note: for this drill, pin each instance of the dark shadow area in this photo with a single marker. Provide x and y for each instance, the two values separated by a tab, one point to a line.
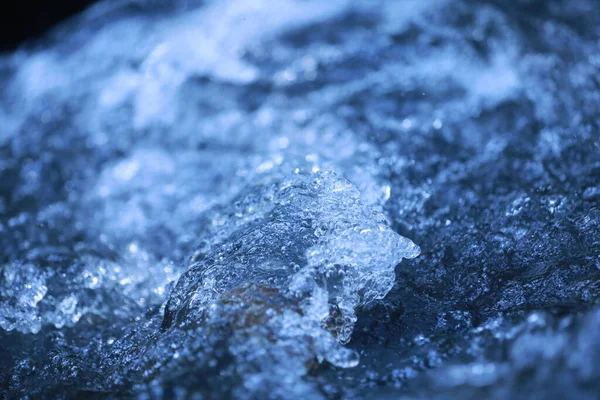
23	21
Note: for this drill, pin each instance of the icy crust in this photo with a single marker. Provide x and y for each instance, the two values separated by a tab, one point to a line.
304	254
149	137
21	289
61	291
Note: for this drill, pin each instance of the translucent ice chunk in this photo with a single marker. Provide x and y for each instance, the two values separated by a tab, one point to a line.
22	287
289	277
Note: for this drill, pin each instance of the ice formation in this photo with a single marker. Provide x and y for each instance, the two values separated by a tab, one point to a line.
213	199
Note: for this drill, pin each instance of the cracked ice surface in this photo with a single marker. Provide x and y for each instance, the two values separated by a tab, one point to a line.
213	199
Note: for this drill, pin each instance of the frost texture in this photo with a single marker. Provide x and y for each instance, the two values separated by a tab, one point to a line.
22	289
211	199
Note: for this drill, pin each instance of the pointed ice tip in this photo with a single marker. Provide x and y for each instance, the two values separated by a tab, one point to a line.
412	250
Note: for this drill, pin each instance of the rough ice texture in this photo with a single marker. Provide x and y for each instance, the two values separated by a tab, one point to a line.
211	199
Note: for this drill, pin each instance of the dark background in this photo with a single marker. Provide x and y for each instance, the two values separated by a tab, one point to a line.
21	21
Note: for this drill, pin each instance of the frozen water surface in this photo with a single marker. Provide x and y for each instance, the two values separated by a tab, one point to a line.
303	199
